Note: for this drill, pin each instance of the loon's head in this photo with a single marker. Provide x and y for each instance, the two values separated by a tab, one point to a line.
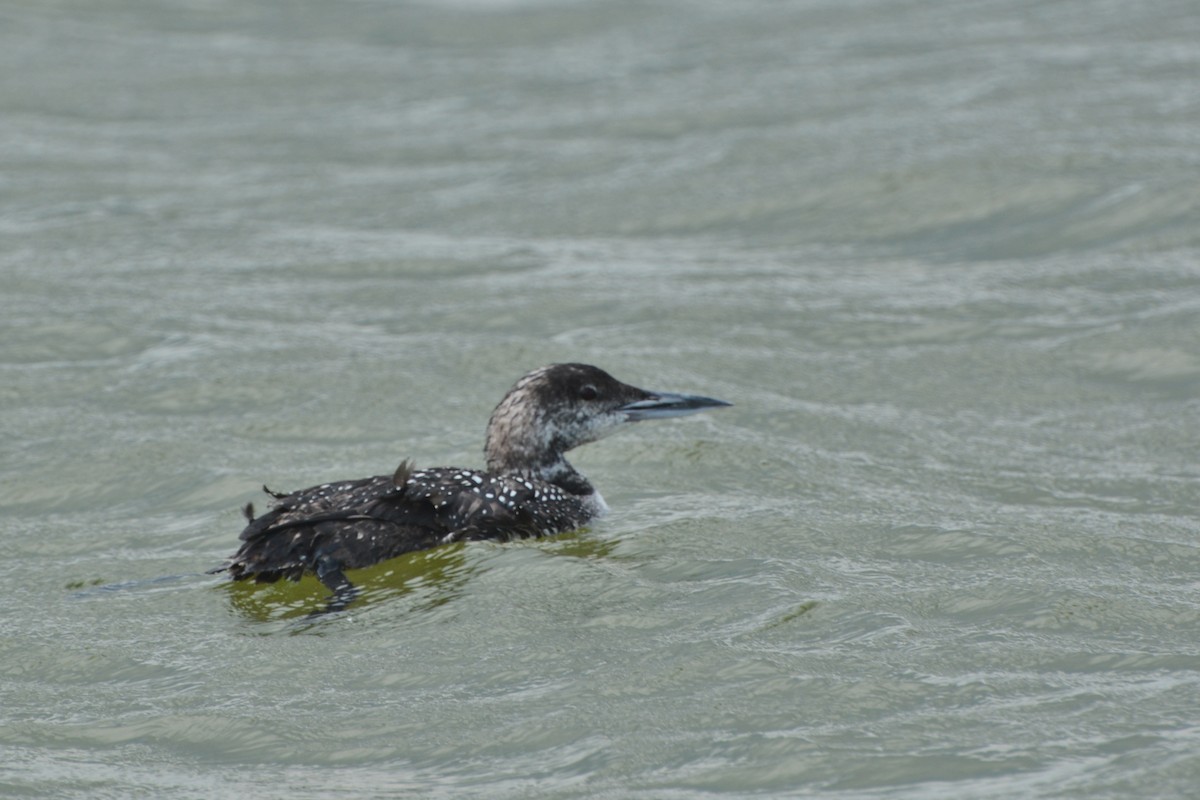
555	408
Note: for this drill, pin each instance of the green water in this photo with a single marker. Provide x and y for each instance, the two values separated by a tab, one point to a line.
941	256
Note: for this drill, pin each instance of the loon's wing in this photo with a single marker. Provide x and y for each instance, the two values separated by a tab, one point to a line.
352	524
334	526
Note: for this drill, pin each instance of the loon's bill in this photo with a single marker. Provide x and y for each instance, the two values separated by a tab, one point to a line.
528	488
661	405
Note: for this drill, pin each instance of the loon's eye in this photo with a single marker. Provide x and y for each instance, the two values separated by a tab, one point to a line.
588	392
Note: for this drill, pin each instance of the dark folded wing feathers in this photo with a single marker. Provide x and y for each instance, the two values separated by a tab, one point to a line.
362	522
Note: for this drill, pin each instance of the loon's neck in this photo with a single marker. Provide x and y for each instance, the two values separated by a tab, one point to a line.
566	477
554	469
561	474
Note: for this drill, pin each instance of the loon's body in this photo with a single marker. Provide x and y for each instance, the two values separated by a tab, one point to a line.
528	488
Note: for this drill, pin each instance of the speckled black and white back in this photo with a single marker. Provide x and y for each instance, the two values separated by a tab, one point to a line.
359	523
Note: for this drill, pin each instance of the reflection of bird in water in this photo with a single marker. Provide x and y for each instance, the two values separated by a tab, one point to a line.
528	488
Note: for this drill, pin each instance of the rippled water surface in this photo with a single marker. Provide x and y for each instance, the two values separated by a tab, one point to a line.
943	257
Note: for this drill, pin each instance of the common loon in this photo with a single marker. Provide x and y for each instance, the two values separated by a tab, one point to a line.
528	488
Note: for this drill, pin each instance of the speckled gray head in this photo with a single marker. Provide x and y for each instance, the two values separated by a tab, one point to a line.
559	407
